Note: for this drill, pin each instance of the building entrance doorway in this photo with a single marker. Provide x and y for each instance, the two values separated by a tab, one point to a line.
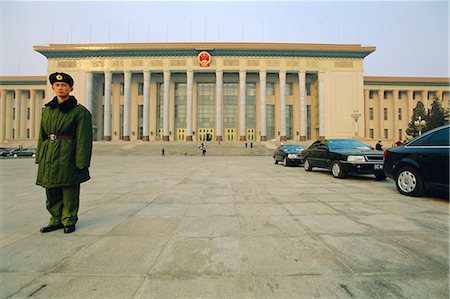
205	134
230	134
181	134
250	134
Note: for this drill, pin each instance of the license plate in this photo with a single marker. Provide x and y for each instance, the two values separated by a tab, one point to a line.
378	166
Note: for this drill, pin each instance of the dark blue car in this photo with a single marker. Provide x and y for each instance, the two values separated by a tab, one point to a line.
422	164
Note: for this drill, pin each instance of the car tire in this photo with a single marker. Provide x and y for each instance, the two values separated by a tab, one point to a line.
33	155
409	182
275	160
15	155
307	166
336	170
285	162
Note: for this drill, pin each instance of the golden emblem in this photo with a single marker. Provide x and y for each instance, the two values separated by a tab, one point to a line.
204	59
59	77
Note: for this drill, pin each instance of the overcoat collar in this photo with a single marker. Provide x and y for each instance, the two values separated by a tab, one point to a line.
65	106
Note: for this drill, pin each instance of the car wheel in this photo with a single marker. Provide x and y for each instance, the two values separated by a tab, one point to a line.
409	182
15	155
275	160
380	176
307	165
285	162
336	170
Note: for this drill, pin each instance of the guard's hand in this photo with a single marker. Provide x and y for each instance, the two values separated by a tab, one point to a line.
80	168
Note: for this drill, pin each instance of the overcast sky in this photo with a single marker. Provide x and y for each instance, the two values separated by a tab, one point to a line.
412	38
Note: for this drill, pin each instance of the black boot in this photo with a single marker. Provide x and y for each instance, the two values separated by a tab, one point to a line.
69	229
52	227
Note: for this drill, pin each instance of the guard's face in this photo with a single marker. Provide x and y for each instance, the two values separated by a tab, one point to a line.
62	89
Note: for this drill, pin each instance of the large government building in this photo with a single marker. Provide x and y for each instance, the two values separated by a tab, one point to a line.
221	92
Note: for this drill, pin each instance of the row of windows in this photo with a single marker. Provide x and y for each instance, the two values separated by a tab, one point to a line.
270	88
27	93
385	114
386	134
403	94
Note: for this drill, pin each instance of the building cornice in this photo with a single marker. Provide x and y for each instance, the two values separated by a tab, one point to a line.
406	81
215	49
22	80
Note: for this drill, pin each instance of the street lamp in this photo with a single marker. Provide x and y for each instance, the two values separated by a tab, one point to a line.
420	123
356	115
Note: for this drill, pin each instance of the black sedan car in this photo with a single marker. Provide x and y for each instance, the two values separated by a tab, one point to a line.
344	156
422	164
22	152
289	154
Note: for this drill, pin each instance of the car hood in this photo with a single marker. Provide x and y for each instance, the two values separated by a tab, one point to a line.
358	152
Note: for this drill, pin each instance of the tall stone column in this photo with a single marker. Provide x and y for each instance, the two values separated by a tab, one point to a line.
3	115
126	105
219	104
89	90
366	112
190	85
107	111
381	113
303	116
262	103
282	75
409	104
146	107
395	121
32	113
17	108
242	106
321	106
166	105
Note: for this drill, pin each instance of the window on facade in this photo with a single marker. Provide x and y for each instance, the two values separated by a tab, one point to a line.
270	89
417	95
385	95
28	133
140	88
308	88
289	89
14	113
140	121
371	133
251	105
386	133
370	113
13	133
122	89
400	134
399	113
289	122
270	121
180	105
28	113
370	94
230	105
385	113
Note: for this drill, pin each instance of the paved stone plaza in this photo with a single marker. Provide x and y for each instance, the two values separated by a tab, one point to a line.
222	227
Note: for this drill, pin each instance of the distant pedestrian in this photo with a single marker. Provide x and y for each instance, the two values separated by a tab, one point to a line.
203	150
163	152
251	144
246	145
379	146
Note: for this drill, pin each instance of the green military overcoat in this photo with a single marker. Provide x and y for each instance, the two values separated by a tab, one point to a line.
64	162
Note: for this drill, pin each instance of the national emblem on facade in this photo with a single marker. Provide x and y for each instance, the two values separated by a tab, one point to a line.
204	59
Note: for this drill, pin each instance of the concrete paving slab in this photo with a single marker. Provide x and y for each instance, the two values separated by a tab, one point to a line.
202	256
84	286
211	209
389	222
196	287
214	226
275	226
11	282
334	224
308	208
146	226
114	255
290	256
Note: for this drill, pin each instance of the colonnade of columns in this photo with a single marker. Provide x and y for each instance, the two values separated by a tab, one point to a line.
301	99
16	121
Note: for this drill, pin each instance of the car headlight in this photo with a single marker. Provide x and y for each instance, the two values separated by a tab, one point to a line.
356	159
292	156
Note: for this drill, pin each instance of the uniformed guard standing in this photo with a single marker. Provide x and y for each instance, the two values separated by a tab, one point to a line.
63	154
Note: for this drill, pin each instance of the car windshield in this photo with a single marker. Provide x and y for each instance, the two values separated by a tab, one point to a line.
347	144
293	148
